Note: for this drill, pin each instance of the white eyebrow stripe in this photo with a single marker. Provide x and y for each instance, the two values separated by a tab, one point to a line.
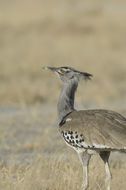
65	69
68	119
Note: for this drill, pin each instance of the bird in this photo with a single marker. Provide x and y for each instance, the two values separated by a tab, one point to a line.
88	131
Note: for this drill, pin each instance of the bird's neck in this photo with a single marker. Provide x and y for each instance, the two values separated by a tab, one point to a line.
66	99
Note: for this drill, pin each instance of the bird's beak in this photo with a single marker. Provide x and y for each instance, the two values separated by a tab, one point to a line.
54	69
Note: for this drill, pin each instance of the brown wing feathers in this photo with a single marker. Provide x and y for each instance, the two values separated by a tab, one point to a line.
100	128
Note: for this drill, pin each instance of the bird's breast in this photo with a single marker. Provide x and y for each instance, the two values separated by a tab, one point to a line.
73	138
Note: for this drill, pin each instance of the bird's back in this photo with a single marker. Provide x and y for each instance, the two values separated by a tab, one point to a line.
97	129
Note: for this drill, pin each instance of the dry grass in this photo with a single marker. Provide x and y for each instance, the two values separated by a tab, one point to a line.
45	174
29	160
87	35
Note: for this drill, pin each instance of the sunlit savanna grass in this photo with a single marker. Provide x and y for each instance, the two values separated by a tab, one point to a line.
87	35
48	173
33	155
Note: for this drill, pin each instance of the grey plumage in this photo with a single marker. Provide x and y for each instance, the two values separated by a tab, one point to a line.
88	131
70	78
101	129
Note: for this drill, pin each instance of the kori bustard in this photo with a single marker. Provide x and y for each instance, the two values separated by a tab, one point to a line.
88	131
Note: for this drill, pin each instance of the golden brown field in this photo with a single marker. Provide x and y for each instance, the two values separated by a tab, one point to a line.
87	35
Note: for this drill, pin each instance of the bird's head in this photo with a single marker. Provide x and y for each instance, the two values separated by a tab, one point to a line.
68	74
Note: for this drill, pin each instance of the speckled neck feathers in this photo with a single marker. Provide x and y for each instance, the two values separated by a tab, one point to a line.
66	99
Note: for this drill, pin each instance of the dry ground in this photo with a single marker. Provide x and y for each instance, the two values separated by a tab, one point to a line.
87	35
34	157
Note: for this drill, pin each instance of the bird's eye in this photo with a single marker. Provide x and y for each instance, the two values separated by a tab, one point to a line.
63	71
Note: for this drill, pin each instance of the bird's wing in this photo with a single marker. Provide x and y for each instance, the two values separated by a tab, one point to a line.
101	129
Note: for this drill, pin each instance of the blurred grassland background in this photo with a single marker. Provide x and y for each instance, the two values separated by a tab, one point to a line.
88	35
